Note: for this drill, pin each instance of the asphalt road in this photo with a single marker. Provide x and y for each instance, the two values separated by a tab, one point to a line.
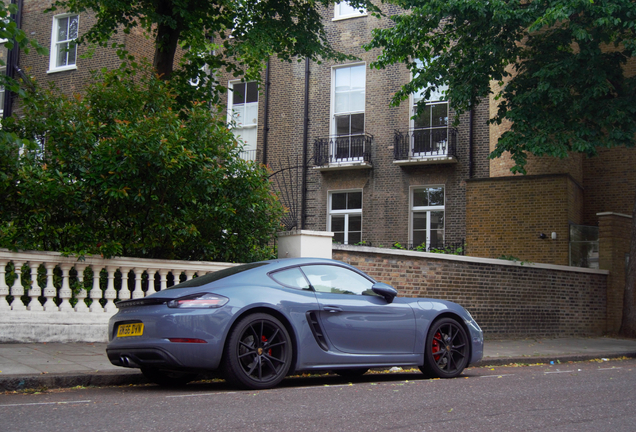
561	397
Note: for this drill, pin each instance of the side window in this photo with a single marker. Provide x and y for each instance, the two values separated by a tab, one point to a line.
243	111
345	216
63	47
337	280
292	277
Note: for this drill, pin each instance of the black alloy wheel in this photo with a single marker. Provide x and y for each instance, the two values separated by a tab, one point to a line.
258	353
166	378
447	349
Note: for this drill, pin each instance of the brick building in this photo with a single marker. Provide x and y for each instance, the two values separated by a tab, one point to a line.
371	173
346	161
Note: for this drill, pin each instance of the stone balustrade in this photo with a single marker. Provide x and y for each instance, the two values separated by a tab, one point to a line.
56	298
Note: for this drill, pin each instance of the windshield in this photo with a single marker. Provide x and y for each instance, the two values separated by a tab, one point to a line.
218	275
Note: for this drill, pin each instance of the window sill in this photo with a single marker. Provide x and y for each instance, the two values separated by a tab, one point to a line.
341	166
62	69
346	17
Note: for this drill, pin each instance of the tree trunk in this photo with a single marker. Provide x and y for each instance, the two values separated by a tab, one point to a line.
165	49
628	324
166	40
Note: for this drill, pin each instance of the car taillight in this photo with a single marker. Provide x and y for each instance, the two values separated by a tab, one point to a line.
199	301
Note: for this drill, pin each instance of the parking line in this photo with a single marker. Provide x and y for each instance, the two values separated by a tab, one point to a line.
45	403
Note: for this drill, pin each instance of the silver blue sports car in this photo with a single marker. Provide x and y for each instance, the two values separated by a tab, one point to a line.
257	323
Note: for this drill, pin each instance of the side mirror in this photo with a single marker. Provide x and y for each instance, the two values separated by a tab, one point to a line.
386	291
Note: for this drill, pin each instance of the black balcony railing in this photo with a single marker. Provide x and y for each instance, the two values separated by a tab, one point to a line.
457	248
422	143
343	148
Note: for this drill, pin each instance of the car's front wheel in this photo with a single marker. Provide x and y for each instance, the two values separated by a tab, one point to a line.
447	349
258	352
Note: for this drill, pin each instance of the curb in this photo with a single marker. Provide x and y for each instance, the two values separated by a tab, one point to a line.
116	378
49	381
563	358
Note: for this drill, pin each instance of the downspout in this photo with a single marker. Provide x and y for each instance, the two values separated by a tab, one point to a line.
13	57
303	199
266	114
470	144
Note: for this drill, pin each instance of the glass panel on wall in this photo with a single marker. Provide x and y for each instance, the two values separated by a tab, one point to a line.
584	246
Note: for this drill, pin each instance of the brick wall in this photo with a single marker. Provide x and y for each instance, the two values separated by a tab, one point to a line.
508	300
614	236
38	24
505	215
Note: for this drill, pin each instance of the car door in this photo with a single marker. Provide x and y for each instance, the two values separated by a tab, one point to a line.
354	318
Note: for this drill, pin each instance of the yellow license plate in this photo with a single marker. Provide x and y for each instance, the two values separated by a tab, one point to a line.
135	329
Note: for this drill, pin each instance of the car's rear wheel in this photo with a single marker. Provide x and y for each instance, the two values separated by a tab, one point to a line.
447	349
168	378
258	353
351	373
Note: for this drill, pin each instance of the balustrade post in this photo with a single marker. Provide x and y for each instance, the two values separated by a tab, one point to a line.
124	292
110	294
4	288
50	292
65	292
163	275
17	290
189	274
151	281
35	291
138	292
96	291
80	306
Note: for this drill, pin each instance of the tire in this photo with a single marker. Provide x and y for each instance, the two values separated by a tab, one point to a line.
447	350
168	378
258	352
351	373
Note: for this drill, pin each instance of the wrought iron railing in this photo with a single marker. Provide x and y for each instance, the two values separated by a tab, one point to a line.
248	155
423	143
343	148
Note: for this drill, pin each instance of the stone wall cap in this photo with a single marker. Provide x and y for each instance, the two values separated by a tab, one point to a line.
613	214
476	260
305	232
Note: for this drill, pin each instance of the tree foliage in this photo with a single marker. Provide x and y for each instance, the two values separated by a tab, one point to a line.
565	73
560	65
202	28
125	171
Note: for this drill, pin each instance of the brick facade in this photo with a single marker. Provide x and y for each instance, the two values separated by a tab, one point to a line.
385	187
505	216
38	25
547	301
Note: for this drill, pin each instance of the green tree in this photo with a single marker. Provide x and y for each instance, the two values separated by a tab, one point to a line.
258	29
560	66
123	170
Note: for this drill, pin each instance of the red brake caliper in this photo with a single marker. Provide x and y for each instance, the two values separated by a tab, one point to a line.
435	347
264	339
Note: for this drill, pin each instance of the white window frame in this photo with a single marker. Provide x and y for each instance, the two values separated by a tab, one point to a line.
437	98
249	151
333	114
54	44
343	11
428	209
346	212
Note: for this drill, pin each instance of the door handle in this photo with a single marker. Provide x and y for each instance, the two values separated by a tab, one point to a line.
332	309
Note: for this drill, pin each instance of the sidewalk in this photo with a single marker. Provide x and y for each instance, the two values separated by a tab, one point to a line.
55	365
